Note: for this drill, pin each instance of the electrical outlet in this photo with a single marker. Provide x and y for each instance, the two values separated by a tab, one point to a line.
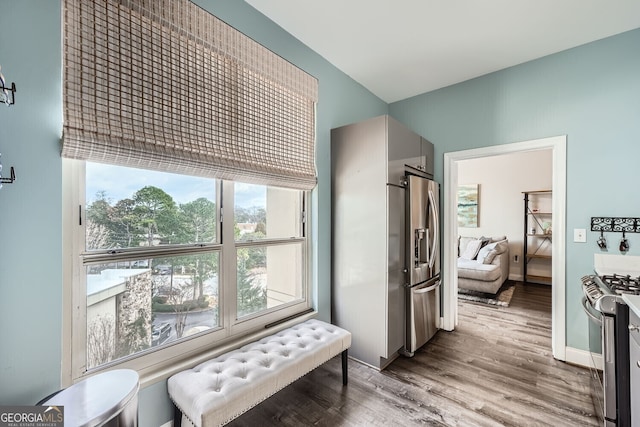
516	258
579	235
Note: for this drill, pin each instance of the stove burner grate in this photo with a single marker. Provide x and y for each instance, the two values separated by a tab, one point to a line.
622	284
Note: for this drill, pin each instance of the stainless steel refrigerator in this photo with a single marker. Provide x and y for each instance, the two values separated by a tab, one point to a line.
422	261
377	287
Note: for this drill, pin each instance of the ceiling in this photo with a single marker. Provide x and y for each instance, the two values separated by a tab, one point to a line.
401	48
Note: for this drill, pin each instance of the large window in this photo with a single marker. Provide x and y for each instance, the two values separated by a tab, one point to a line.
163	258
169	251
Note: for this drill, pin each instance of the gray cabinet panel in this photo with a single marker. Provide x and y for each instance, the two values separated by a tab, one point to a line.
368	241
403	148
359	238
427	153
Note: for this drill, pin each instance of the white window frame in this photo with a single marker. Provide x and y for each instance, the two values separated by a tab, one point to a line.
161	362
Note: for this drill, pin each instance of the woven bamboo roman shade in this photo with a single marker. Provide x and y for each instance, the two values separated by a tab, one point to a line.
163	84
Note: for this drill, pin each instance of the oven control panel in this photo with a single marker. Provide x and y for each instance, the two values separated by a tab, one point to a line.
591	289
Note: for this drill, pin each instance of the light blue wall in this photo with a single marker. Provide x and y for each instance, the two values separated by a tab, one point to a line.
591	94
31	209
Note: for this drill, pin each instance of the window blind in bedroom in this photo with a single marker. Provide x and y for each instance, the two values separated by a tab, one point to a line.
163	84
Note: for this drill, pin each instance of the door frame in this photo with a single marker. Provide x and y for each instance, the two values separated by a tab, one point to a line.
558	145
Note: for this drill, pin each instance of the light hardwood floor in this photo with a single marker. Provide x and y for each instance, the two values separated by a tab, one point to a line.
495	369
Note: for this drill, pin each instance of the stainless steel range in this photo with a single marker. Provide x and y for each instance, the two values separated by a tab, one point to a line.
602	301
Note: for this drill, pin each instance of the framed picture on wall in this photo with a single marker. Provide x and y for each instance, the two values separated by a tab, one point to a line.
468	205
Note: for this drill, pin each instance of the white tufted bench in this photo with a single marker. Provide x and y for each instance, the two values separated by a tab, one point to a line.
219	390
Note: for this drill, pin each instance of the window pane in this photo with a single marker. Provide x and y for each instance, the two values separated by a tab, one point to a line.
266	212
268	276
136	305
129	207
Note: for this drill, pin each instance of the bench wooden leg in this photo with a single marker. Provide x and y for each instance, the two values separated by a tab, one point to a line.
344	368
177	416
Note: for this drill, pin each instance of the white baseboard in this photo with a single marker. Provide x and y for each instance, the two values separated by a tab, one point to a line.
167	424
583	358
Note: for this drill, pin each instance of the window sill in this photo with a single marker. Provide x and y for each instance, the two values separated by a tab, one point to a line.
161	370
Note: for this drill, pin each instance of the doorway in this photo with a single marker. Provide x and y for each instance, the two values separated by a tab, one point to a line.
557	145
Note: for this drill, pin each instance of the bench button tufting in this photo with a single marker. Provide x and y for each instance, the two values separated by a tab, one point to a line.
296	344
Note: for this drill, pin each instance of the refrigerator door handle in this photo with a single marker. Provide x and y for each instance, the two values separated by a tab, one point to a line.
436	229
